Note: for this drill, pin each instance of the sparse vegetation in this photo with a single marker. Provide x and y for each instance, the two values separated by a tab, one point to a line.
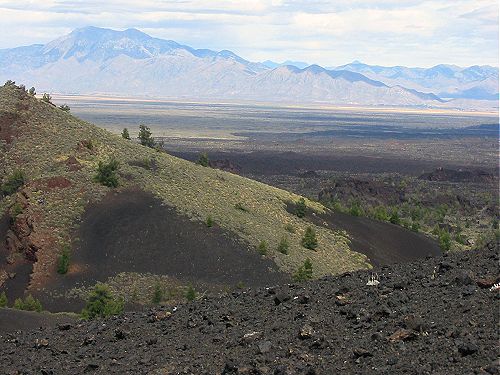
203	160
101	303
125	134
305	271
145	137
13	183
3	299
300	208
106	173
64	107
63	261
444	240
28	304
32	91
309	241
290	228
263	247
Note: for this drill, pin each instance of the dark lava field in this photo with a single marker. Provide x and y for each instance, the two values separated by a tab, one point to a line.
434	316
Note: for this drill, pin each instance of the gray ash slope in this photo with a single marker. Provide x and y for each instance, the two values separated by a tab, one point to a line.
434	316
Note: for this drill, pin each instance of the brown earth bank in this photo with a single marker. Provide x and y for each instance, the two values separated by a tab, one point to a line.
132	231
433	316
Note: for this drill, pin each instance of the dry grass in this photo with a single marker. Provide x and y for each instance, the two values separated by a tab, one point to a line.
49	136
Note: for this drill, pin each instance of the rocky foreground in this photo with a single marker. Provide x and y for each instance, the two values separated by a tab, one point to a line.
436	316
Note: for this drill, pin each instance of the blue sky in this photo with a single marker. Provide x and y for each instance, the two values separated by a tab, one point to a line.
387	32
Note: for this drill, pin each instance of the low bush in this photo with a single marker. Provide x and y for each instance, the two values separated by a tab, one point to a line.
190	293
305	271
13	183
203	160
283	246
3	300
157	294
64	108
125	134
262	248
63	261
209	222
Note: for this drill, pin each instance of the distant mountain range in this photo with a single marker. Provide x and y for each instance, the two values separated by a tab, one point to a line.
132	63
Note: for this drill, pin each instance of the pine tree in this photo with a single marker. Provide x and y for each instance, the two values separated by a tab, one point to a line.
3	300
309	241
304	272
125	134
300	208
145	136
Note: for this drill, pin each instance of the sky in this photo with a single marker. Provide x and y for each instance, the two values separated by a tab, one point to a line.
325	32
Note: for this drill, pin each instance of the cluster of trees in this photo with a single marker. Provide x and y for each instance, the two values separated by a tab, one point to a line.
29	303
145	136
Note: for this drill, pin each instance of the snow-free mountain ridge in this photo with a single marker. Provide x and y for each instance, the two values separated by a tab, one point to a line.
132	63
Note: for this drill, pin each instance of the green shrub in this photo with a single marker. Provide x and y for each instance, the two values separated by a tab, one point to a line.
64	108
415	226
29	304
309	241
444	240
355	209
190	293
283	246
157	294
394	218
240	207
300	208
106	173
32	91
262	248
13	183
63	261
380	213
289	228
240	285
101	303
3	300
145	137
304	272
203	160
125	134
209	222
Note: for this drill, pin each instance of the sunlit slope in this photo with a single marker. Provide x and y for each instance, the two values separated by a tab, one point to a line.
59	155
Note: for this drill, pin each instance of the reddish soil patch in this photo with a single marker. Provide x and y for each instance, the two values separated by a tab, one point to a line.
18	273
133	232
52	183
7	121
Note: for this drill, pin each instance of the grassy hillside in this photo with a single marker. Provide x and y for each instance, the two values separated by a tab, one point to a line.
59	155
